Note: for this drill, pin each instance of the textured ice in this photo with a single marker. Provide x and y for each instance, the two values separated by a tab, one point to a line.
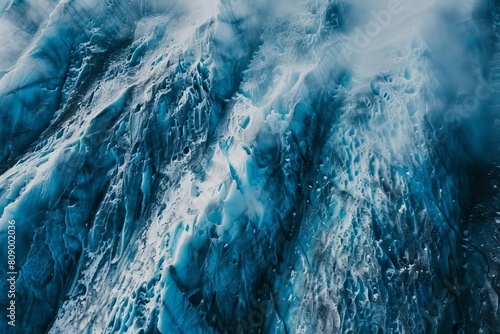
299	166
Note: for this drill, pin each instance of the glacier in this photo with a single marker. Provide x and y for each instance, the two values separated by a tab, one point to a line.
222	166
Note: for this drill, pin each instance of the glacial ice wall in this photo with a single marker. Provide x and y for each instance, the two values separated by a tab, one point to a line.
302	166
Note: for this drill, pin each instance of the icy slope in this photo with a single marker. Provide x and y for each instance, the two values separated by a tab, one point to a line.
251	167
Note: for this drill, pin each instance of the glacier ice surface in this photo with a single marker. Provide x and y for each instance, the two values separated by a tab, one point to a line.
251	167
